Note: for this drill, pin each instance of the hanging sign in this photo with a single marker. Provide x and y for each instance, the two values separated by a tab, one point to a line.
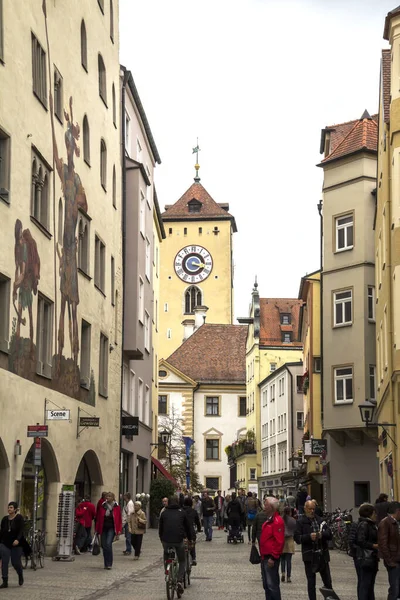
38	431
58	415
318	447
37	453
89	421
130	425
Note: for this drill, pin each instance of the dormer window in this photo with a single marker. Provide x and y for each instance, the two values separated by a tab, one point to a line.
286	337
194	206
285	319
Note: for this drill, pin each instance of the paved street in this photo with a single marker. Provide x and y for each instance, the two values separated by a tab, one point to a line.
223	570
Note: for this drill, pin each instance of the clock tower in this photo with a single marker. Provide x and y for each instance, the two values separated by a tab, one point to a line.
196	268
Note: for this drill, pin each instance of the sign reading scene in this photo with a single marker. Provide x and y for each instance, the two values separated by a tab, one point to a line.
58	415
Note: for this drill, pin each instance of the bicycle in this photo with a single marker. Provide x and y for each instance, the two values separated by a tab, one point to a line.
37	541
171	575
188	564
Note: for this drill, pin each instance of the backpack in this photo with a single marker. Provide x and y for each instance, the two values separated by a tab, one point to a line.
251	514
352	539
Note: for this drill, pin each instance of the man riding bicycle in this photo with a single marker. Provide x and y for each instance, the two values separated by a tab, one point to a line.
173	528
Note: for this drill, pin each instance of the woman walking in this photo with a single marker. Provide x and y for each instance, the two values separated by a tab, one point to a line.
251	512
11	535
108	526
127	510
288	549
367	552
227	499
235	516
137	527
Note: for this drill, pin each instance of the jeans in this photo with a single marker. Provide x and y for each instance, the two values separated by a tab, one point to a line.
137	539
219	518
394	582
107	538
286	564
367	583
15	554
271	580
325	573
180	555
358	571
208	522
127	538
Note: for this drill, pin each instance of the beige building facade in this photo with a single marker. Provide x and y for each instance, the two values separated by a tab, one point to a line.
61	255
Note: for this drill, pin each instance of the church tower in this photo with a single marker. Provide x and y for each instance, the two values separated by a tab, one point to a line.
196	266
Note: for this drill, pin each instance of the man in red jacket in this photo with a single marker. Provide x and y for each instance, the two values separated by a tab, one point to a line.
85	512
272	541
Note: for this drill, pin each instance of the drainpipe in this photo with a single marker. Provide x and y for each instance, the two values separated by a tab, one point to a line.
321	289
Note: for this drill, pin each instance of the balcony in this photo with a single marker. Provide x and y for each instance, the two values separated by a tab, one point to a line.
239	448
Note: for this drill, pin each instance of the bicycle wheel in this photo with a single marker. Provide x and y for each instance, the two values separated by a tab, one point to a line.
25	561
41	554
189	568
169	583
34	555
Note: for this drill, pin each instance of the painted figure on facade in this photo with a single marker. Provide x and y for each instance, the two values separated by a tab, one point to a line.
27	275
74	198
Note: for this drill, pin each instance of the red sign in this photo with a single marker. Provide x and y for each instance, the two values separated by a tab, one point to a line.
38	431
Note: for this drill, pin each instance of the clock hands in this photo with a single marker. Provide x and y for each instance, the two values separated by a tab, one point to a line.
198	264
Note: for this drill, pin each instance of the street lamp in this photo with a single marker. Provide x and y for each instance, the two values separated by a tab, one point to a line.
165	437
368	412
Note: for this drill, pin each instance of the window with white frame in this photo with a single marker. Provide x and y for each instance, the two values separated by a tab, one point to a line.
132	409
40	195
103	366
141	301
342	307
39	71
272	392
284	421
44	336
86	330
147	407
372	382
371	303
212	406
141	400
344	226
272	367
300	419
253	476
127	131
343	382
148	259
142	214
99	263
139	151
147	331
83	243
212	449
286	337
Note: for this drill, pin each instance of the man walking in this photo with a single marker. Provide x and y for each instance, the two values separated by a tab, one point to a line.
272	540
313	534
389	548
173	528
219	505
207	508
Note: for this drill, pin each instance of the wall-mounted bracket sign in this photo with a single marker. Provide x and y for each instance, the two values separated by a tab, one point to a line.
130	426
319	447
85	422
58	415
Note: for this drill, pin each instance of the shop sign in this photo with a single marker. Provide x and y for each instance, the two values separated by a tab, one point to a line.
89	421
130	425
319	447
38	431
58	415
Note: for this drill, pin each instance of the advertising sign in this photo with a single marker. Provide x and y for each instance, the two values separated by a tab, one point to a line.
38	431
130	425
319	447
89	421
58	415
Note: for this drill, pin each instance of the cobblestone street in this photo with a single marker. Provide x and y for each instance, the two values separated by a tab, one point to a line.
222	570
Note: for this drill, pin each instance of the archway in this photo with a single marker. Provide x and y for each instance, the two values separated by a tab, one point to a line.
4	477
89	478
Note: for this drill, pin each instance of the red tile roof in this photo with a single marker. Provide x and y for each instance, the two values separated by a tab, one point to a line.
386	66
270	321
356	136
209	208
213	353
389	16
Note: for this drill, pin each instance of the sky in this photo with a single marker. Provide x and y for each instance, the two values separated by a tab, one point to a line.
255	81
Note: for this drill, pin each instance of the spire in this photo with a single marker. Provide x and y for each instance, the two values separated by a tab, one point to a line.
255	285
365	115
196	151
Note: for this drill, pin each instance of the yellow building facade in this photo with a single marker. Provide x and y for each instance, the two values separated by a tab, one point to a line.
196	266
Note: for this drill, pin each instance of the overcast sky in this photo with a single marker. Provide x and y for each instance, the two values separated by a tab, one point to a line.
256	81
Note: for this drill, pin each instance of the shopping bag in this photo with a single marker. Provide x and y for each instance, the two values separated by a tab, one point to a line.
254	556
96	545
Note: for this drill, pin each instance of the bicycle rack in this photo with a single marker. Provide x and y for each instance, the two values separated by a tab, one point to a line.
65	526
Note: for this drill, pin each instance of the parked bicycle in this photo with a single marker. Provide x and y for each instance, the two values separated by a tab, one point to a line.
340	523
171	575
37	541
188	564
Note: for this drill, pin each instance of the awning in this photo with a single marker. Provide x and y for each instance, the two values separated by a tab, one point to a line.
163	471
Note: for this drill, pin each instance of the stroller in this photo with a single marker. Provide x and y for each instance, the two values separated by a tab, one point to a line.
235	534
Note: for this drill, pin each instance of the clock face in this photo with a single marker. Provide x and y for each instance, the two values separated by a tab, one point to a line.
193	264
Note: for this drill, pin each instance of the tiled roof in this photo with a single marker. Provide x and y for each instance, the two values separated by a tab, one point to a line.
362	135
209	208
389	16
213	353
270	321
386	65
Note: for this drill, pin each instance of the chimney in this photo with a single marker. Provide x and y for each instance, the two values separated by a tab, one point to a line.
188	328
199	316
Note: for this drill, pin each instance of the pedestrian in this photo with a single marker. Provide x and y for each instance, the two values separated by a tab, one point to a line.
258	500
101	500
85	512
288	549
318	509
381	507
173	528
389	548
164	504
197	506
251	513
242	499
301	497
313	534
108	526
137	527
219	507
234	513
227	499
194	522
127	510
272	541
207	508
367	552
11	536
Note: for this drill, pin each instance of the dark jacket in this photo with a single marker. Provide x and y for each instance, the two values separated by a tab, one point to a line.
11	530
389	541
381	510
310	549
208	507
174	525
258	522
367	536
234	512
193	518
301	498
219	500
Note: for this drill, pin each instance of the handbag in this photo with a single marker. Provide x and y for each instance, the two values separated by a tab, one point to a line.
366	557
96	545
255	558
141	524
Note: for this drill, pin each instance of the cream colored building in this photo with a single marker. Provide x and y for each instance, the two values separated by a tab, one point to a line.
60	259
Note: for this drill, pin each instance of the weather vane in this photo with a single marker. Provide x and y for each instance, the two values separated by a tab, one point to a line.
196	151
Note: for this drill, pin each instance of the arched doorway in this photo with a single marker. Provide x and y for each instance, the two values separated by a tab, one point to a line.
89	479
4	478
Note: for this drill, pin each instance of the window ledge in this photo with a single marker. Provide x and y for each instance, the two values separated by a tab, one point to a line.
340	325
42	228
6	200
103	99
44	375
104	187
87	163
100	290
41	101
103	395
85	275
372	321
340	250
5	350
344	402
84	67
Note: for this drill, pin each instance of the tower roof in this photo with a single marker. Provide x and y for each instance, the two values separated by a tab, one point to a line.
207	208
271	328
353	136
393	13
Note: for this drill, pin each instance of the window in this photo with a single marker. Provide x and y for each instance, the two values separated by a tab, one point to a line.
372	382
344	232
114	106
286	337
102	79
58	95
170	231
371	303
162	373
140	400
101	5
272	392
272	367
212	483
285	319
141	300
242	406
212	406
99	264
103	366
60	221
127	131
139	152
147	331
83	243
194	206
5	144
114	188
44	336
142	214
103	164
185	231
40	190
83	46
343	385
212	449
253	474
39	71
112	281
317	364
85	354
162	405
148	259
342	308
299	420
361	492
86	140
165	306
111	21
192	299
4	311
169	333
200	230
299	384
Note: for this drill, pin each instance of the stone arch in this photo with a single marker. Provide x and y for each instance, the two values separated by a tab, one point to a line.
4	477
89	478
